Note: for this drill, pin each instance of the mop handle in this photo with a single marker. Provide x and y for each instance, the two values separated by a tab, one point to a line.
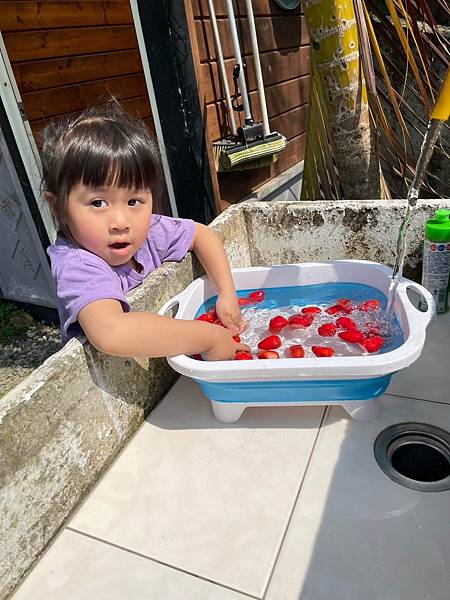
259	77
237	54
222	70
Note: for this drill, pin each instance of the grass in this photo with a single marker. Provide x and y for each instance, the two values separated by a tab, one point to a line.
14	321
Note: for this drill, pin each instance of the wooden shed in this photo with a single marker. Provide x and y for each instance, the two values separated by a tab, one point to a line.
66	56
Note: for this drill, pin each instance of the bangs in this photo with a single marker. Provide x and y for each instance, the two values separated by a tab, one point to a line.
100	153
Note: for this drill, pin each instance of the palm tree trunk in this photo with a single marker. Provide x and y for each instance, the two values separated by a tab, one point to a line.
339	81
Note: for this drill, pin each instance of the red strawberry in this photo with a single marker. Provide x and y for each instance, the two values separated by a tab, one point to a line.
301	320
242	355
343	301
270	343
372	328
373	344
370	305
277	323
208	317
257	296
337	308
327	330
244	301
296	351
346	323
197	357
352	335
311	310
236	338
322	350
268	354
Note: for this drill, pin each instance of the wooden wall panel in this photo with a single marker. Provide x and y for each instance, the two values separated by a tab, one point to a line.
67	56
36	75
29	45
284	50
24	15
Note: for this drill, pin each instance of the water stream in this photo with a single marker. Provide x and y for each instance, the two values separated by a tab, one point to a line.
433	130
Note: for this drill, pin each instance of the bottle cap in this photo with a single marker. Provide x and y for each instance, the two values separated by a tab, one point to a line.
438	229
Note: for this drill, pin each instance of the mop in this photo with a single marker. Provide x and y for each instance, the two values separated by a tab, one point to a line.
251	145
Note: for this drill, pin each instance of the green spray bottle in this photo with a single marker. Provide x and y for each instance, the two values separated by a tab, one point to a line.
436	258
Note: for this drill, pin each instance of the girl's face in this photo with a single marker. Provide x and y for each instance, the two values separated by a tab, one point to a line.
110	222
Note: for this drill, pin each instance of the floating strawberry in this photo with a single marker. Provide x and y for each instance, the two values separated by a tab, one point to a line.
242	355
370	305
244	301
236	338
343	301
336	308
257	296
325	351
354	336
209	317
327	330
296	351
301	320
311	310
346	305
373	344
270	343
346	323
277	324
268	354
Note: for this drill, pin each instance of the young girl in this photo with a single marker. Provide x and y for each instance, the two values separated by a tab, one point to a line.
102	177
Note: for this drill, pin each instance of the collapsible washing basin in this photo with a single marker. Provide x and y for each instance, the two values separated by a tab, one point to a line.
355	382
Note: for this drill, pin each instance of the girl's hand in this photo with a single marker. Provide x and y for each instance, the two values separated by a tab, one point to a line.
229	313
223	347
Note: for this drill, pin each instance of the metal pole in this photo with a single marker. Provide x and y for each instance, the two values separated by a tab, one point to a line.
259	77
237	54
222	70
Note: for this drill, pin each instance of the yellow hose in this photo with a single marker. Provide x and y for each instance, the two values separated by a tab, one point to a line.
441	110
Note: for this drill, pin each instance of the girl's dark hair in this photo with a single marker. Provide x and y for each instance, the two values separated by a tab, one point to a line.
101	147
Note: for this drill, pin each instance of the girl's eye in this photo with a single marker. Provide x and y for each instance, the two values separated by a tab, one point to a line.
133	202
98	203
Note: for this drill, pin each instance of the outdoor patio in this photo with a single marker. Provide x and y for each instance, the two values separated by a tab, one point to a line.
285	504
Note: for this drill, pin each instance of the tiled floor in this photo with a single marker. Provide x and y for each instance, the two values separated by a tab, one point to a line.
285	504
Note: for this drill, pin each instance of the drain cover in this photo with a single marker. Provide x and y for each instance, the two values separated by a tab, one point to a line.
415	455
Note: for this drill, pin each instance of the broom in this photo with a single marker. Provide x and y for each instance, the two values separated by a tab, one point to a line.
252	145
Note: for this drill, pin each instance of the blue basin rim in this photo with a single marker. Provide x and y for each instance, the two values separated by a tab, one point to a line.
295	391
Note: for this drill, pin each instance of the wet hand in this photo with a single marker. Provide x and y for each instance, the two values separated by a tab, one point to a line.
229	313
223	347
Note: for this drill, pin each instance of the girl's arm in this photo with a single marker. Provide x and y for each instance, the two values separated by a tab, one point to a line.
209	249
145	335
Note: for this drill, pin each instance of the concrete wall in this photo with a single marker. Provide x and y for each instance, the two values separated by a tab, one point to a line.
65	424
290	232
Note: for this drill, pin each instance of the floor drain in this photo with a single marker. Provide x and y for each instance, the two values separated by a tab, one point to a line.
416	455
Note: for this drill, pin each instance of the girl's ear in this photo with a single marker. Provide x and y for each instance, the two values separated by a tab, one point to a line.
50	198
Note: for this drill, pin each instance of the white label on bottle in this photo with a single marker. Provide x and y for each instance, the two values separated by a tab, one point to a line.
436	269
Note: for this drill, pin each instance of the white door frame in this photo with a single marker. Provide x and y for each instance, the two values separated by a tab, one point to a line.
12	101
154	107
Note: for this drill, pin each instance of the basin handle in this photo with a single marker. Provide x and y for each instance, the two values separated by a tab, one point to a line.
176	300
423	317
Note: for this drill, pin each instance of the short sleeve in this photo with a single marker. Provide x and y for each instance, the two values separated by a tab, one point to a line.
80	282
172	237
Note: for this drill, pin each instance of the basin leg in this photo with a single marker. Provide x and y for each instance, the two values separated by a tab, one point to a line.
365	410
227	412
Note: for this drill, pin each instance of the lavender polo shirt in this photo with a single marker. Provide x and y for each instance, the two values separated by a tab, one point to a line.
82	277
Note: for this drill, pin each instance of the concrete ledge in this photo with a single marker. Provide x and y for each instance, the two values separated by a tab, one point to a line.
65	424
